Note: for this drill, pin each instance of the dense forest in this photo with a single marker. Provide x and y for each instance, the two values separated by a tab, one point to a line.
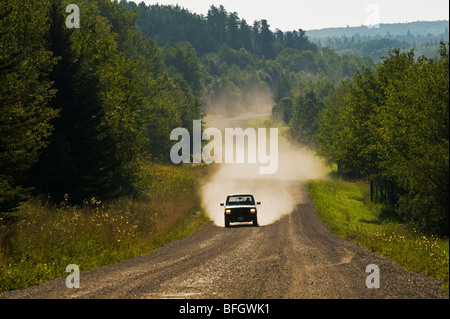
237	58
169	25
390	125
82	109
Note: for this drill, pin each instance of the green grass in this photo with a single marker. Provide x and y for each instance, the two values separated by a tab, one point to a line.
345	207
48	237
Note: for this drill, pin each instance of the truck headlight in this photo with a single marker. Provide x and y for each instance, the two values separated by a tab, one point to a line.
227	211
252	210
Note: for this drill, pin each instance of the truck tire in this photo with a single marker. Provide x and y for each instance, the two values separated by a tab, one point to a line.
227	222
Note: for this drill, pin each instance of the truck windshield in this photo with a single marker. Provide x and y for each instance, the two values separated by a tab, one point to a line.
240	200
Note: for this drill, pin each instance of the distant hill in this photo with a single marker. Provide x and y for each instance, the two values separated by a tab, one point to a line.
418	28
422	36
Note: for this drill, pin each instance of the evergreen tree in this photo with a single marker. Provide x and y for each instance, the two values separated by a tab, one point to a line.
24	94
80	157
234	36
267	40
184	60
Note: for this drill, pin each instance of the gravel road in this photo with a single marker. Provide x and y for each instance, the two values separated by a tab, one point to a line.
295	257
292	255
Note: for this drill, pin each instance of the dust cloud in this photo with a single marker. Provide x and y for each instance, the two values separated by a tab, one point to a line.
278	193
226	104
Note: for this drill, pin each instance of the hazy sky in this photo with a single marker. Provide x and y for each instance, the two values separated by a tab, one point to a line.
315	14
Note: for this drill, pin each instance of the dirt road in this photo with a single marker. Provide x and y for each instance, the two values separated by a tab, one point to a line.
291	255
295	257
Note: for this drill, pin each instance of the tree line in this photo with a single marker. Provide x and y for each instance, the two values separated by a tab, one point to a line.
378	47
169	25
239	59
422	36
81	109
390	125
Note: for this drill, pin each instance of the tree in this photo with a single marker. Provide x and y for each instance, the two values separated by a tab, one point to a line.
283	88
391	126
282	111
303	121
81	155
25	92
330	130
184	60
246	35
217	24
414	137
234	36
264	39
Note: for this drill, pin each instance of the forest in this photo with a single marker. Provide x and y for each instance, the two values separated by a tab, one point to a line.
390	125
422	36
81	110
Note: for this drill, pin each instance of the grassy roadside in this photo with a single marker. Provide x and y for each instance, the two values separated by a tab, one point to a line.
48	237
345	207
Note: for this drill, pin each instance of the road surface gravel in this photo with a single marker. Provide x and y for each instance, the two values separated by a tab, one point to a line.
294	257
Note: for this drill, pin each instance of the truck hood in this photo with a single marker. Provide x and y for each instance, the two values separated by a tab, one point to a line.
240	206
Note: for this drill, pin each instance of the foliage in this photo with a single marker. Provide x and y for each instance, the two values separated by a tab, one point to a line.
80	144
240	60
25	92
169	25
422	36
102	99
390	125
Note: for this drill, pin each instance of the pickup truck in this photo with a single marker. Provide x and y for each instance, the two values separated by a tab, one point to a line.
240	208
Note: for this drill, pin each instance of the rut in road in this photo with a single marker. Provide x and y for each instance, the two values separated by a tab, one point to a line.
295	257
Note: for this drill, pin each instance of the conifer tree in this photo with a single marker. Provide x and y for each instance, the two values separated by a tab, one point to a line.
80	157
24	94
